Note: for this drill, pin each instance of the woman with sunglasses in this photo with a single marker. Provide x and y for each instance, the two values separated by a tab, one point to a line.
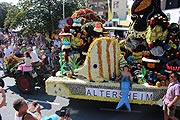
171	97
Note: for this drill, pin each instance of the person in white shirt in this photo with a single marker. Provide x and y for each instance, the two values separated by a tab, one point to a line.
7	52
10	46
33	54
36	49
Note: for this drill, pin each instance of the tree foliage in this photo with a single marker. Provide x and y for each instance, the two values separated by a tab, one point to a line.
39	15
11	17
3	11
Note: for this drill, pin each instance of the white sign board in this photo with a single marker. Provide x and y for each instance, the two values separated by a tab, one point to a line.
134	95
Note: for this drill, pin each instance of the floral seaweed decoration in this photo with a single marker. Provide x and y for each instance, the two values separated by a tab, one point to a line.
74	63
61	63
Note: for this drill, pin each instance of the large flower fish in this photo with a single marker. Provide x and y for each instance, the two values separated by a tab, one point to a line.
103	60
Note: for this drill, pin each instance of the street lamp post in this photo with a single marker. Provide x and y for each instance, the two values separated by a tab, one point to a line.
51	3
63	9
50	18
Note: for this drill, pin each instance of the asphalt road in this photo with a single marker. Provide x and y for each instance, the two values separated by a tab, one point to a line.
79	109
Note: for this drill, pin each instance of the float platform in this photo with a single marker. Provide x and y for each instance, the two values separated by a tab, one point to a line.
79	88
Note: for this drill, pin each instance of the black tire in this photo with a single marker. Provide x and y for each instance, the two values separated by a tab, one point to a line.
25	83
2	82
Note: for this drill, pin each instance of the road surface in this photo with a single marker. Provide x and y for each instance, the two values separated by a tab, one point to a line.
79	109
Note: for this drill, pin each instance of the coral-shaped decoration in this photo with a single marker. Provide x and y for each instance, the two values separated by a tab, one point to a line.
77	22
173	65
152	78
88	15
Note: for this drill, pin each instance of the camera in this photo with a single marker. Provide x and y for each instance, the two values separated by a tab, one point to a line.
1	82
35	104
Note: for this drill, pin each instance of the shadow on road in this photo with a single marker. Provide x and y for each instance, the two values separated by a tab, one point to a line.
39	95
96	110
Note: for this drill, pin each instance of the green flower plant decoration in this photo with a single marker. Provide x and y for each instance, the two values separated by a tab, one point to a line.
61	63
65	40
74	63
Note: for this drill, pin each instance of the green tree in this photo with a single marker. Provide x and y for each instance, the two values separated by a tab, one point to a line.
39	15
11	18
3	11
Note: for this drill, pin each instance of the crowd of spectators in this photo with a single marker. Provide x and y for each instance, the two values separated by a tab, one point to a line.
37	49
47	50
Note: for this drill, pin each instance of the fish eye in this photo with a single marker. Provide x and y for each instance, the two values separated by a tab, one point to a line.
95	66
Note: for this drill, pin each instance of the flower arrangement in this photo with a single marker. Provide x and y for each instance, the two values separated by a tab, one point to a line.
10	62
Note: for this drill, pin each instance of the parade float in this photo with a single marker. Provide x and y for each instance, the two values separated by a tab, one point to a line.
90	61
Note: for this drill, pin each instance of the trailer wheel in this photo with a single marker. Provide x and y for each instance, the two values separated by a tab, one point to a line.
25	83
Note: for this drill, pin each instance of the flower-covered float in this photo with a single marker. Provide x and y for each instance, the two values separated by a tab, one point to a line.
95	60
